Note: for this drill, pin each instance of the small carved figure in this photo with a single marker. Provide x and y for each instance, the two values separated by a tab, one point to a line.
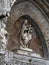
26	34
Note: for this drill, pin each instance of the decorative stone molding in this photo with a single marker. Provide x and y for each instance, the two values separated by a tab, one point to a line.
23	8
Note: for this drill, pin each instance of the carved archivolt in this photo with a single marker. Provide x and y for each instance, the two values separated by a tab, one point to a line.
14	26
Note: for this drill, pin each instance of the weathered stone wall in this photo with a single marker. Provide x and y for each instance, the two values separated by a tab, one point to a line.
17	59
5	7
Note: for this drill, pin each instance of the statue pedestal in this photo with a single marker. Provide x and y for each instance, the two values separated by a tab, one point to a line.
27	51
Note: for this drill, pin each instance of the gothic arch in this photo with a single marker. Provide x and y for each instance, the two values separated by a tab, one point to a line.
27	8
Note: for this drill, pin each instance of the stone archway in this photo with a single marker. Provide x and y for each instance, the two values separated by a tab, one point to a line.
31	10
